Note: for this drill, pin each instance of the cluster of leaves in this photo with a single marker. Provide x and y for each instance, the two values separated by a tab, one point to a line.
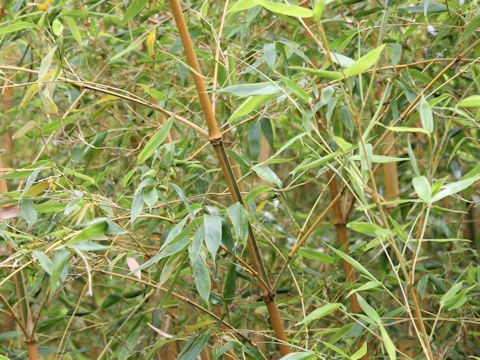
119	234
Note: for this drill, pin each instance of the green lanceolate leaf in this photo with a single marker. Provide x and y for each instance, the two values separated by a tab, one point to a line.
90	230
326	74
275	7
239	218
201	277
60	259
44	261
249	105
134	7
256	89
367	228
426	116
155	141
422	188
268	175
365	62
304	355
16	26
360	353
388	344
354	263
320	313
28	211
470	102
213	233
76	33
195	345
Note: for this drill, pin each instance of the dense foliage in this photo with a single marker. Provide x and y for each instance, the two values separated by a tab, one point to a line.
352	130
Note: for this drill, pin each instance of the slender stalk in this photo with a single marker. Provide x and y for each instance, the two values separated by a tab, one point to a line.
86	85
177	296
340	222
215	138
25	318
417	99
390	174
339	218
303	237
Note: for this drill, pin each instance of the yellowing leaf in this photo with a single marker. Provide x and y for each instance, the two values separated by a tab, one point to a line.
37	189
31	92
44	6
24	129
150	43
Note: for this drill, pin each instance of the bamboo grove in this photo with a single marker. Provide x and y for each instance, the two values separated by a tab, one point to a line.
239	179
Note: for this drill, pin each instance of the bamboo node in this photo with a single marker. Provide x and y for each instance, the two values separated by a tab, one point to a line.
215	141
268	298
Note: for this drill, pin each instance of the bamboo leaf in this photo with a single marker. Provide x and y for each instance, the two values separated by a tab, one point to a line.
297	90
16	26
426	115
134	8
354	263
278	8
450	293
60	260
45	65
239	218
320	313
155	141
28	211
248	106
369	311
315	255
298	355
318	10
360	353
150	42
268	175
44	261
326	74
407	129
213	233
365	62
285	9
194	346
72	25
242	90
201	276
368	228
470	102
388	343
422	188
454	188
90	230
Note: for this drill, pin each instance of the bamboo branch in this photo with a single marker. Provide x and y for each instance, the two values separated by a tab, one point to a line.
179	297
303	237
215	138
115	92
339	218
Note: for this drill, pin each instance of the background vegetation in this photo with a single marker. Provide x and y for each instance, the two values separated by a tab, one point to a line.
350	232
